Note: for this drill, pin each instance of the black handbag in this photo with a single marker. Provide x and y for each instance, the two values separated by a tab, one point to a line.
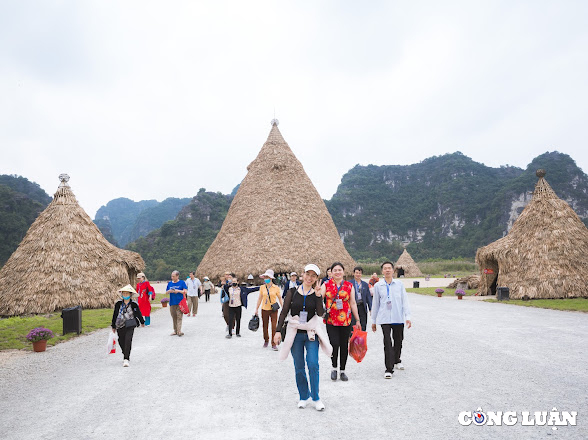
275	306
254	323
130	323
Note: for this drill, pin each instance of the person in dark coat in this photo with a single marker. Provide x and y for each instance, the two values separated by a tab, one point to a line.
237	298
125	318
363	297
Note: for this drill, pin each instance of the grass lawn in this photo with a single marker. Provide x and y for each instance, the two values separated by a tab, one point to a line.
431	291
13	331
572	304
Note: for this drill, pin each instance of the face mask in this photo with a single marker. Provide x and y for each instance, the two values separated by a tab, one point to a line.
127	297
229	281
267	281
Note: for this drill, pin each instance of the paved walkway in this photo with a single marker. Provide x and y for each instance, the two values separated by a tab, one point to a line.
460	355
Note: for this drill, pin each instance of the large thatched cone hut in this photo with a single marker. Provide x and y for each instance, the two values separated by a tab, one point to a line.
277	220
406	266
64	261
543	255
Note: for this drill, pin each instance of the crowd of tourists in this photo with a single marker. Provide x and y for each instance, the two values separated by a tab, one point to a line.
315	313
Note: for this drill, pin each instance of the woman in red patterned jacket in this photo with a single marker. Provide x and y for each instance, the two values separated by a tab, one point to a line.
145	290
340	302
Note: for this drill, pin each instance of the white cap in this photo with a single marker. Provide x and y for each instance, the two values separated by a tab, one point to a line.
293	273
314	268
268	273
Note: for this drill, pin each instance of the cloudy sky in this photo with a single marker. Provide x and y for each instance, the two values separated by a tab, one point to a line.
154	99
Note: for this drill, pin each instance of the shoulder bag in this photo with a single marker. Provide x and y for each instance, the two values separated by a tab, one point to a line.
275	306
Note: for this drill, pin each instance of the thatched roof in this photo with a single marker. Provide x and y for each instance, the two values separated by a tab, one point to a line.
64	261
405	261
277	220
543	255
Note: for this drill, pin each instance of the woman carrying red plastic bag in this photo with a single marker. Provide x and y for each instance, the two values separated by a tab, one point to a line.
358	344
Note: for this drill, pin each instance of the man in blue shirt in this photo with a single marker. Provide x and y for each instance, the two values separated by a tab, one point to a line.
390	309
176	289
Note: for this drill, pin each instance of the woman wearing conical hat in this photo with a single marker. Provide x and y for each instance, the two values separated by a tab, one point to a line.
125	318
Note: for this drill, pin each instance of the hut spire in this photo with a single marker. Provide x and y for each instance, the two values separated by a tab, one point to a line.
64	195
542	189
275	136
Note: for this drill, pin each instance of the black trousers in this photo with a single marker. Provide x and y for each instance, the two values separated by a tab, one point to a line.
207	295
125	340
392	345
234	312
339	339
362	317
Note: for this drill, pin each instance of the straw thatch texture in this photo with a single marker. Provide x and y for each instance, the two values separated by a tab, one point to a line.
543	255
64	261
473	282
405	261
277	220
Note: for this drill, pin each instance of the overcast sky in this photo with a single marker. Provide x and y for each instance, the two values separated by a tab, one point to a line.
155	99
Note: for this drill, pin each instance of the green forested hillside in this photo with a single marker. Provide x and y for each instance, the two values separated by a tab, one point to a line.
123	220
180	244
21	201
442	207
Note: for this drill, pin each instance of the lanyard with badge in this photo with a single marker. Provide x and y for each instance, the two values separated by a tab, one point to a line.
388	300
339	301
304	314
357	291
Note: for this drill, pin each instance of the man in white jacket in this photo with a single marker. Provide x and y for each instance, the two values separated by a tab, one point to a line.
390	309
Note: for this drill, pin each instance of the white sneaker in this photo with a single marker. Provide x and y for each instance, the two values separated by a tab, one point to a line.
387	375
319	405
399	367
125	363
302	403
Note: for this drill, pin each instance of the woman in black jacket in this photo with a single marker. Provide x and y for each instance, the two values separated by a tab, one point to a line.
125	318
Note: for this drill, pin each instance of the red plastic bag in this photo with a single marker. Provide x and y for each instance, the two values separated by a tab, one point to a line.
358	344
184	306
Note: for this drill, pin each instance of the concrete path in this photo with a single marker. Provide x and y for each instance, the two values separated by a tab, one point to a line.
460	355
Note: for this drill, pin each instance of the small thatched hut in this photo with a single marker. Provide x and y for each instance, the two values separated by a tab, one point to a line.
64	261
277	220
406	266
543	255
472	281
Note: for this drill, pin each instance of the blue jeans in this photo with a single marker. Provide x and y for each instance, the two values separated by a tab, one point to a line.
300	342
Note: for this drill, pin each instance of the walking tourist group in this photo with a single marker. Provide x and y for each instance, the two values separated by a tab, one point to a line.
315	313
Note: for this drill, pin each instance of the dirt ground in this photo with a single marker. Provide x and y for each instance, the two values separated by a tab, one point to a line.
459	356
